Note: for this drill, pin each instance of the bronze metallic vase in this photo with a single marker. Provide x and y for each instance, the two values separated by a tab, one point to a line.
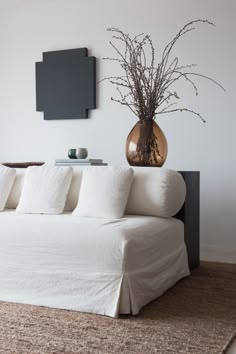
146	145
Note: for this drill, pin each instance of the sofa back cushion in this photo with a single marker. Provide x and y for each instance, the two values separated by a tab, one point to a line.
73	194
154	191
14	196
7	176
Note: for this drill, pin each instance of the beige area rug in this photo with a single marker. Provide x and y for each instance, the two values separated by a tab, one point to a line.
196	316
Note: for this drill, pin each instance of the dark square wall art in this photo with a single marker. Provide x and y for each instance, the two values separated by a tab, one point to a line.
66	84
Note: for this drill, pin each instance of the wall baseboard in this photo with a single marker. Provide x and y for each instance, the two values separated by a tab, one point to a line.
218	254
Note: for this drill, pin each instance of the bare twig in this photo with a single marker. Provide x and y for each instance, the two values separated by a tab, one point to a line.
145	87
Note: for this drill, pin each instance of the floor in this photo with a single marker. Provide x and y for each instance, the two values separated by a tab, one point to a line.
199	311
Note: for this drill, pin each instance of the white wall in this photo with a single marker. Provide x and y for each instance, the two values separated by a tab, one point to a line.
29	27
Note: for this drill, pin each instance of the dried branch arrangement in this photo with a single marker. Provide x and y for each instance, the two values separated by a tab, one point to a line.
146	88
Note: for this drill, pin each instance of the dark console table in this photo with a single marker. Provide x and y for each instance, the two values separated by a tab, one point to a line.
189	214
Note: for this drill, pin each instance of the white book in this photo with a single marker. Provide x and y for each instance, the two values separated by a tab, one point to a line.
74	161
79	164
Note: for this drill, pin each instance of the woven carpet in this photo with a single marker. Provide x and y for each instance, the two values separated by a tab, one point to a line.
196	316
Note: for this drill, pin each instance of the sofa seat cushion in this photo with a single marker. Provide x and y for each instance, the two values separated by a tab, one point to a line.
89	264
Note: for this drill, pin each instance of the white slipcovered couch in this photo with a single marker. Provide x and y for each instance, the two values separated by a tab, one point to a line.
98	265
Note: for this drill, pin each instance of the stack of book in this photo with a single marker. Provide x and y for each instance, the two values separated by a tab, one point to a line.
79	162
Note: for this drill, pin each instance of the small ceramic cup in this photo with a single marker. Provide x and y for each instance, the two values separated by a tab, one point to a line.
79	153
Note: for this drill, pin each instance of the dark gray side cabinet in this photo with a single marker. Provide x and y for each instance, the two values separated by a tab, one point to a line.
190	215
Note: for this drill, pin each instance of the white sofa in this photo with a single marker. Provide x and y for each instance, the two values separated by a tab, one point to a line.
96	265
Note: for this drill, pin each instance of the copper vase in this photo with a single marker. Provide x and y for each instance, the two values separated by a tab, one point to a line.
146	145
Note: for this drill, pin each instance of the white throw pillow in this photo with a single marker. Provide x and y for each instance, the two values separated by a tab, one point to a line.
7	176
104	192
45	190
